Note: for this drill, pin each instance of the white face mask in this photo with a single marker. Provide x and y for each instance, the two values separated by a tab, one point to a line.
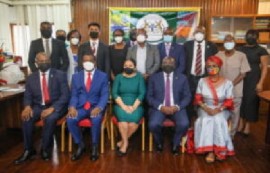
199	36
88	66
141	38
118	39
74	41
229	45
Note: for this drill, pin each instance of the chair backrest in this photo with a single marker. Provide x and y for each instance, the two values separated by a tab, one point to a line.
168	123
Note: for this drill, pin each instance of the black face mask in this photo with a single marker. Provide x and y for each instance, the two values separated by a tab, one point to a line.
43	67
128	70
93	34
168	68
251	41
61	37
132	36
46	33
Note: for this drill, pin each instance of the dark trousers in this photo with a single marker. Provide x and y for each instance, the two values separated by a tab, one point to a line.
156	119
48	128
74	129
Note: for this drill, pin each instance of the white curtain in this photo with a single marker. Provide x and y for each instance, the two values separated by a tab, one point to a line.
5	34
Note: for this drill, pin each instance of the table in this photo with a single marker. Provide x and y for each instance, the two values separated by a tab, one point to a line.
265	95
11	105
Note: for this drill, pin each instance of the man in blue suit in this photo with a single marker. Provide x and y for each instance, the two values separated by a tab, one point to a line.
171	49
89	97
168	95
46	97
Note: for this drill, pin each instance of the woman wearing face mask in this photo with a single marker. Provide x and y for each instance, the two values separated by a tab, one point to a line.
74	37
253	82
118	53
235	68
214	98
128	92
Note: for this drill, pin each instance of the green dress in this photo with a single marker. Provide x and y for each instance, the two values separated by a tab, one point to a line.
128	89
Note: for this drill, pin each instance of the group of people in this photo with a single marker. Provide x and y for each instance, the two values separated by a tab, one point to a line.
172	81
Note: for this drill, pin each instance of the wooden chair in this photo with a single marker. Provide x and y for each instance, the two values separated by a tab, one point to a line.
61	122
166	123
87	123
114	122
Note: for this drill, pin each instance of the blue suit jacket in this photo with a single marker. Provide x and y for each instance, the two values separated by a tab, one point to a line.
156	90
58	89
98	94
176	51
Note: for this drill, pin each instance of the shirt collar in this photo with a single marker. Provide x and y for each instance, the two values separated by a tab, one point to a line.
96	41
92	72
44	39
46	73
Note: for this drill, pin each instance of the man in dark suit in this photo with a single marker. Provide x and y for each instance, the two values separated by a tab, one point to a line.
146	55
89	97
168	95
46	97
132	38
171	49
97	48
55	49
197	51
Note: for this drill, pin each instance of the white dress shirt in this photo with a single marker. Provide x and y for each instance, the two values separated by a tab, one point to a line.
141	59
195	57
44	44
86	76
96	45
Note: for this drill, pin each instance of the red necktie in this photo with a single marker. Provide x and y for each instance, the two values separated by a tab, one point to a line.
45	91
88	82
198	67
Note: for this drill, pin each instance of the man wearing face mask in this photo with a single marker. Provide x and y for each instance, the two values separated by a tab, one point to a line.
89	96
172	49
258	59
97	48
235	68
132	38
168	95
197	51
46	97
145	55
55	49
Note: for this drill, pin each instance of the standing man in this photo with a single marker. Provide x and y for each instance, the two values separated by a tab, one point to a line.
197	51
97	48
132	38
235	66
89	97
171	49
55	49
145	55
168	95
46	97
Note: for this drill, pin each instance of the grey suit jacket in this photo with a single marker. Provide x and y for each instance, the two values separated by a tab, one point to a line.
152	63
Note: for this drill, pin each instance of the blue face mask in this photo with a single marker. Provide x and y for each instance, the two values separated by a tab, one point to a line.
167	38
229	45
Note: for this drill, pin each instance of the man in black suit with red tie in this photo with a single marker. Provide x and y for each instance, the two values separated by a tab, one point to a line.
46	97
197	51
55	49
97	48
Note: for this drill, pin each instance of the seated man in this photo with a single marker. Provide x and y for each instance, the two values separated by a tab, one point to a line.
89	97
46	97
168	95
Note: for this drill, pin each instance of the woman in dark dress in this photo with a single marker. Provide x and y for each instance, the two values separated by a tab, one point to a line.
253	82
118	53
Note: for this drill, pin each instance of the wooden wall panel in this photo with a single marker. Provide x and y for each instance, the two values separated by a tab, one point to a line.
86	11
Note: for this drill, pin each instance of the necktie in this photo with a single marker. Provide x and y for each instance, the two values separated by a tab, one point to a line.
47	48
167	47
198	67
45	91
88	82
167	92
93	47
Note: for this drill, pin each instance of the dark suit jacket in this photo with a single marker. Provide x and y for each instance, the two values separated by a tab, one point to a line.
152	57
177	52
210	49
59	56
156	90
102	59
98	94
58	89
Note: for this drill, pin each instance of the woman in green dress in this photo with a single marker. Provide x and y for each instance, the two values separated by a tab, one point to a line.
128	92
